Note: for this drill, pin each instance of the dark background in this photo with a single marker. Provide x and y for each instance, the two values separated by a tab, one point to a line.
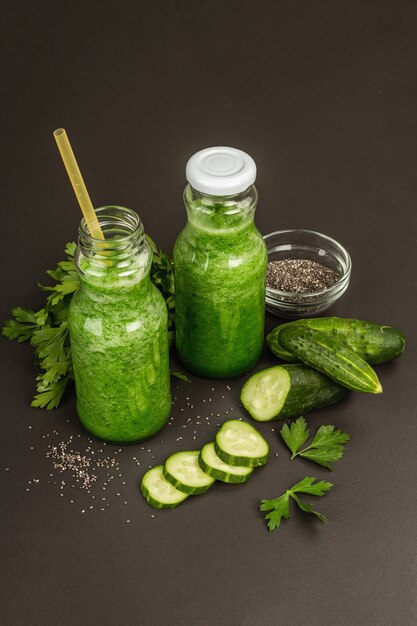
323	95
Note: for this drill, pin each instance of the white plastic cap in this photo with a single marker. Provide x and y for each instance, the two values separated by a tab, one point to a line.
220	171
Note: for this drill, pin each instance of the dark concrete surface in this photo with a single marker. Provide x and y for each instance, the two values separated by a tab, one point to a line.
323	95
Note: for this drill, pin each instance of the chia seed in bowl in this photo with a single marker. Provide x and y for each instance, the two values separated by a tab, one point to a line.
307	272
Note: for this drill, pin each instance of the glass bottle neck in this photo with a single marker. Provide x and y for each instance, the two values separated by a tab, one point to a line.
121	260
227	215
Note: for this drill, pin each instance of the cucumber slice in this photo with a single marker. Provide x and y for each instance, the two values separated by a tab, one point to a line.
184	473
158	492
239	443
264	394
212	465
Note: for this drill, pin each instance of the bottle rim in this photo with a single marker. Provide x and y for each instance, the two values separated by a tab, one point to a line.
125	218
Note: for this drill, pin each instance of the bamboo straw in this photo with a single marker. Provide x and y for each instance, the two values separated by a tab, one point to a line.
77	182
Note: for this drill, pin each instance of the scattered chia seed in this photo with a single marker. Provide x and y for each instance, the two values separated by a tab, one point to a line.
81	470
74	462
299	276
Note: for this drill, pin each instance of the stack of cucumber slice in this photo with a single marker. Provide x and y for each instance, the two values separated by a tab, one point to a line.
237	449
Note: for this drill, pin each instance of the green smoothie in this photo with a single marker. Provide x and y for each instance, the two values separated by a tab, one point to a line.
119	341
220	264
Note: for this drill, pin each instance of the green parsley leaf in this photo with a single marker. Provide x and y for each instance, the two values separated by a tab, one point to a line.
47	331
50	343
25	316
59	312
295	435
162	276
327	435
326	447
70	249
24	324
69	283
309	485
181	376
50	396
308	508
324	456
18	331
279	508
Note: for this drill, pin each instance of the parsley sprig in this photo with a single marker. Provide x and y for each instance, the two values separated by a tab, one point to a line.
280	507
47	329
327	445
162	276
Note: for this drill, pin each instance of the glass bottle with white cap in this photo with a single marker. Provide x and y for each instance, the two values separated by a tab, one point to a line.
220	264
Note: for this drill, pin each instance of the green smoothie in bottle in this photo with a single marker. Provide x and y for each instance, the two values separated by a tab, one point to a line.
220	265
118	330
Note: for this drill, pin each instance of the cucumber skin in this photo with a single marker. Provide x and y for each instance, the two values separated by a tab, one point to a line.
329	355
222	476
155	503
240	460
374	343
309	390
190	491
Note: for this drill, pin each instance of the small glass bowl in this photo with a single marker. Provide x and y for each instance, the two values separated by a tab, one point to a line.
306	244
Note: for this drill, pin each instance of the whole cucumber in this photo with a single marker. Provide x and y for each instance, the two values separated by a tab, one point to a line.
374	343
288	391
329	355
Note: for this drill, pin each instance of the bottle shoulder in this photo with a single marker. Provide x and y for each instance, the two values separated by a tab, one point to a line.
228	241
219	253
147	305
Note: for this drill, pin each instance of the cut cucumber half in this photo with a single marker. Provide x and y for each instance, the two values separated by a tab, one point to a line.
239	443
212	465
184	473
264	394
158	492
288	391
